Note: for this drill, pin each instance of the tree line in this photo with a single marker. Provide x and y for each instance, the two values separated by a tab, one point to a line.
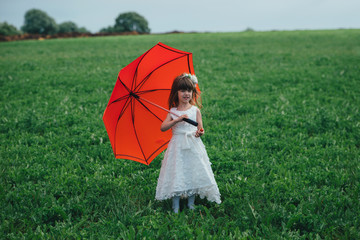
39	22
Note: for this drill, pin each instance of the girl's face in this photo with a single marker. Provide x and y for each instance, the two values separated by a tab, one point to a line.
185	96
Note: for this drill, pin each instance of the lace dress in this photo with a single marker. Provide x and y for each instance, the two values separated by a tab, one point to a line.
185	169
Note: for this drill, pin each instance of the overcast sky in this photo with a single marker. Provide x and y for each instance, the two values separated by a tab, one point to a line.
195	15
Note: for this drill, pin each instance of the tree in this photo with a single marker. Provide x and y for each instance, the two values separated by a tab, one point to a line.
38	22
68	27
131	21
8	29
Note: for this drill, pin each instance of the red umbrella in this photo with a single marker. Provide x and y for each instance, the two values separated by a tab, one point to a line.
138	103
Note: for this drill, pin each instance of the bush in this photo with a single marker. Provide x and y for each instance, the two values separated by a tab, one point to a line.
83	30
8	29
108	29
71	27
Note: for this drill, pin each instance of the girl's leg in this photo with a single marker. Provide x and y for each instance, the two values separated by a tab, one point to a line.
176	204
191	201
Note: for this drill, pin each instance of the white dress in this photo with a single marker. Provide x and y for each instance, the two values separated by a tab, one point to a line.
185	169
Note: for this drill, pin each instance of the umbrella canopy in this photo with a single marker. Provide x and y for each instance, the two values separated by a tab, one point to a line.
135	110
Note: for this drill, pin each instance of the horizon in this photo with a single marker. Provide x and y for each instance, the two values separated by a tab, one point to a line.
231	15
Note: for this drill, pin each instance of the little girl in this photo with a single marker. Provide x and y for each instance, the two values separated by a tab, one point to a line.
185	169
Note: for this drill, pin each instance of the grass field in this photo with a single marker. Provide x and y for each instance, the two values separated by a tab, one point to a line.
282	120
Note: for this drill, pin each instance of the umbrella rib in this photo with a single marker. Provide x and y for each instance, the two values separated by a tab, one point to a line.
188	61
138	87
137	139
123	84
133	123
145	158
132	112
125	155
137	67
120	115
152	90
148	109
177	51
120	98
122	110
171	49
156	151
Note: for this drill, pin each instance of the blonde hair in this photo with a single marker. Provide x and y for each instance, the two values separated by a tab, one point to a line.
183	82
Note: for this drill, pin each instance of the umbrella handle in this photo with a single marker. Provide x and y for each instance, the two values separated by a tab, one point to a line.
191	121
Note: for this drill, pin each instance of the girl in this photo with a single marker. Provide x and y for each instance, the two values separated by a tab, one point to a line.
185	170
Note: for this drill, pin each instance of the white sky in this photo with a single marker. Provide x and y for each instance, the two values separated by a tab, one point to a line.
195	15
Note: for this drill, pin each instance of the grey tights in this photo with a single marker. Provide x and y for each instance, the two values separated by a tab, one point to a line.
176	203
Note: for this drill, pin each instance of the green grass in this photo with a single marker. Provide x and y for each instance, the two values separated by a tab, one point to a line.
281	113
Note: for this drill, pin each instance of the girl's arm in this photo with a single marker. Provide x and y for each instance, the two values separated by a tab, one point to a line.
200	130
169	122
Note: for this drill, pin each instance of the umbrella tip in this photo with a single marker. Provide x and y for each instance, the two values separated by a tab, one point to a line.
134	95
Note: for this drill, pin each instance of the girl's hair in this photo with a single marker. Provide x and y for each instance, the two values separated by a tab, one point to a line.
184	82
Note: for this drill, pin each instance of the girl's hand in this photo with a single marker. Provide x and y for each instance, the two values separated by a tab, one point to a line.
199	132
169	122
179	119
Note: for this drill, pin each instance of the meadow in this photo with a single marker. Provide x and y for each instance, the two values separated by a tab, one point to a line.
282	121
